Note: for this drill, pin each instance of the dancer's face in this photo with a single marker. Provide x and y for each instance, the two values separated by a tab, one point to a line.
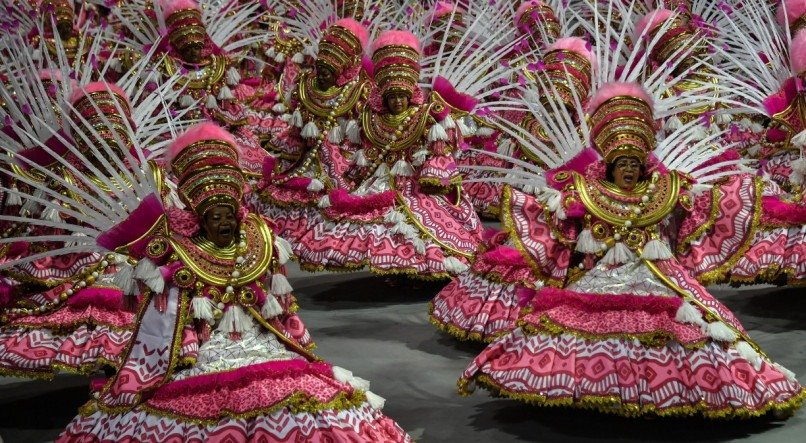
220	226
626	172
397	102
325	77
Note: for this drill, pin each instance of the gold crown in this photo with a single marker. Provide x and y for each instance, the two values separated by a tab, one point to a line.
623	126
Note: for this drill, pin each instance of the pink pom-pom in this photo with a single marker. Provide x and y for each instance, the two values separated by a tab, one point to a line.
797	53
794	9
202	131
90	88
617	89
651	21
524	6
398	38
356	28
50	74
170	6
574	44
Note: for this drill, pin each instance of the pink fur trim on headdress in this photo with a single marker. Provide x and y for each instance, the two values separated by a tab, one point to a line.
90	88
442	9
650	21
523	7
794	9
170	6
202	131
356	28
797	53
616	89
398	38
574	44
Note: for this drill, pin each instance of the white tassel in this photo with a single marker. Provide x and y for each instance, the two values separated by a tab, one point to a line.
787	373
310	130
298	58
13	198
618	254
270	53
419	157
233	76
454	266
150	274
419	245
279	108
203	309
124	279
381	171
748	353
437	132
799	140
336	135
757	128
673	124
284	250
448	123
723	118
296	119
271	308
211	102
484	131
656	249
341	374
720	332
115	64
506	147
552	198
699	132
798	174
359	159
353	131
586	244
51	214
464	129
225	93
286	118
402	168
315	186
375	401
280	57
280	285
324	202
393	217
186	101
530	96
236	320
689	314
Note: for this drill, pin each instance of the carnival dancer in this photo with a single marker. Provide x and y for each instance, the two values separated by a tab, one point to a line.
214	269
766	90
405	214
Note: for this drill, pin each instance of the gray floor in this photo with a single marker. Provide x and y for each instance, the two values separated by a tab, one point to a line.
383	334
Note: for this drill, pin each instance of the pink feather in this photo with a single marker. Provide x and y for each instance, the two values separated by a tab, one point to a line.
797	53
794	9
398	38
548	298
442	9
202	131
453	97
577	164
616	89
777	210
650	21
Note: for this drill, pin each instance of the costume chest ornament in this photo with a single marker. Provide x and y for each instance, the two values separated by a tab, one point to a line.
649	203
332	103
237	266
395	132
